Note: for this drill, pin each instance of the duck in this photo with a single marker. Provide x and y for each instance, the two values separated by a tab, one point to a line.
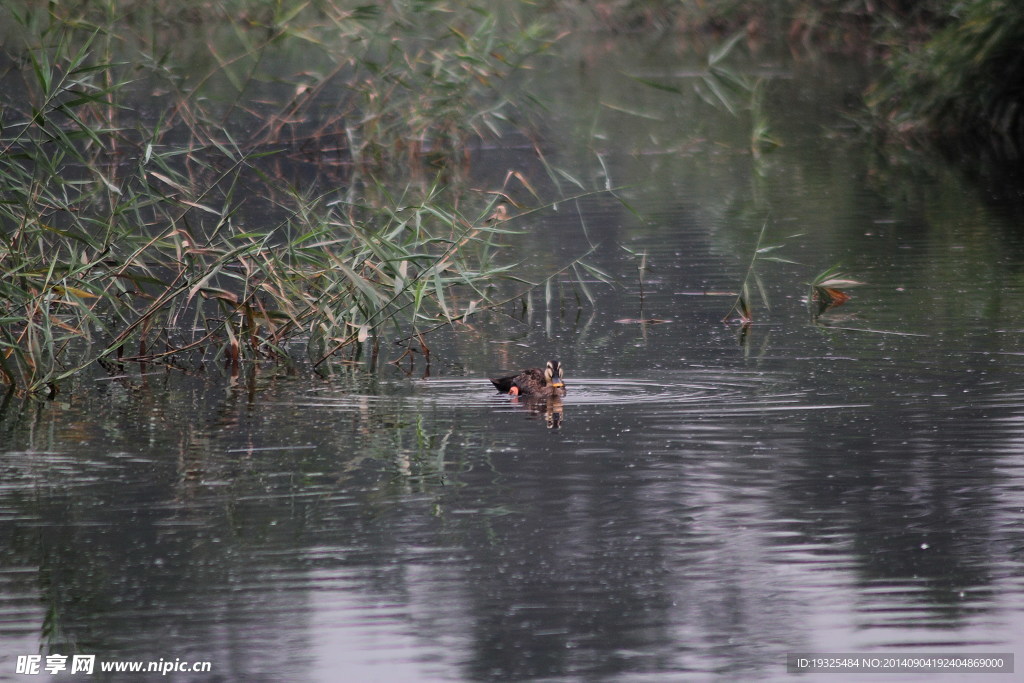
533	381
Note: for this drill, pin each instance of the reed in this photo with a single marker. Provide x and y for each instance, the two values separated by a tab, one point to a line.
742	309
242	224
827	291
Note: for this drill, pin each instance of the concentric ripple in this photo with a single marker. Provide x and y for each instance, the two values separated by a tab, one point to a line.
581	392
723	396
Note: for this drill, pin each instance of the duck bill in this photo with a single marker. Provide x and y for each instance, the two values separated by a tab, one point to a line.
557	385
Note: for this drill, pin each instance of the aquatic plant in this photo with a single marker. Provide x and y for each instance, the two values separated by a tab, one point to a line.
730	90
240	223
826	291
742	309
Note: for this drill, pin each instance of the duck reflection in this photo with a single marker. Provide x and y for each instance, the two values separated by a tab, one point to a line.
548	407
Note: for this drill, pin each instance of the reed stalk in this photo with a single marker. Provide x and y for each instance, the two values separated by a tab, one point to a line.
236	226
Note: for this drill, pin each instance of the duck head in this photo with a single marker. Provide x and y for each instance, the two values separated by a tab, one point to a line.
553	374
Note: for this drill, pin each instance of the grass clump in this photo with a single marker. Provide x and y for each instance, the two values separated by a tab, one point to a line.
182	205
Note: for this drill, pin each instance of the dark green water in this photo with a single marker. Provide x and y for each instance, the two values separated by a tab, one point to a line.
711	499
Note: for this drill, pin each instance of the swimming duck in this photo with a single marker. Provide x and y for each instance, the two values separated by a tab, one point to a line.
533	382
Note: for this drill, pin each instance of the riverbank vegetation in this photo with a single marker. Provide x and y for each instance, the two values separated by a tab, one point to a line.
961	88
180	198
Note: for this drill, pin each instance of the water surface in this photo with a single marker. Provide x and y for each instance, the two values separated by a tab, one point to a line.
707	499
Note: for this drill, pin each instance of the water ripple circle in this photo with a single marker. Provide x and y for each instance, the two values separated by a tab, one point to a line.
723	396
582	392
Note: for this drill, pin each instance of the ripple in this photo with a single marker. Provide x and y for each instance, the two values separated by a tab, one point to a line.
742	395
581	391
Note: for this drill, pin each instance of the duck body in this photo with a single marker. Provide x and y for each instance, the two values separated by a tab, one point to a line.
533	381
